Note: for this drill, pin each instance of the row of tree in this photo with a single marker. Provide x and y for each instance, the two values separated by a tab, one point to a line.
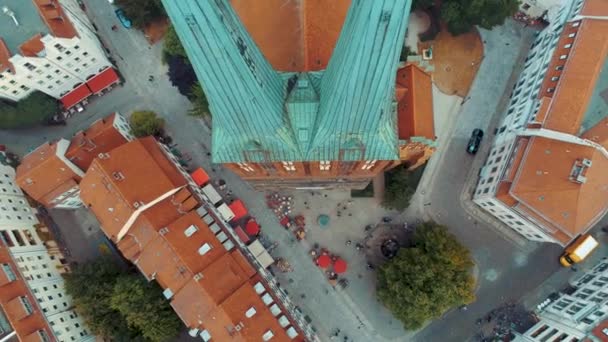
461	16
426	279
33	110
121	305
182	76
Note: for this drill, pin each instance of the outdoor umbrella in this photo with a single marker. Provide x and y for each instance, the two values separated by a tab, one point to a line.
252	227
323	261
340	266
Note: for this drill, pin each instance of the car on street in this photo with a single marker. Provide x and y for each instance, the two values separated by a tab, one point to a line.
474	141
126	22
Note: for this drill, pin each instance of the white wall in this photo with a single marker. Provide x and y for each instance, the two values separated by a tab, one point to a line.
61	66
522	109
39	267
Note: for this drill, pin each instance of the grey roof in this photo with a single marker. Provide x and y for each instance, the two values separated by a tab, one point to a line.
30	23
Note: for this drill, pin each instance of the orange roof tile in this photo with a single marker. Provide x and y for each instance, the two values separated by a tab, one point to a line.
294	35
134	173
598	133
595	8
55	18
598	331
100	137
5	54
42	172
542	185
24	325
32	47
502	194
415	103
577	81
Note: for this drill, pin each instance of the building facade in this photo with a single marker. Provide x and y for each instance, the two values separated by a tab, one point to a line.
160	220
543	175
51	46
577	315
316	104
38	265
541	9
50	174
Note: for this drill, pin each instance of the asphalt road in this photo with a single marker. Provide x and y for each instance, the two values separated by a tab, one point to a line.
506	270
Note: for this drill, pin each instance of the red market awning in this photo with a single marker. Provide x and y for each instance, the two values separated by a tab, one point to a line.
340	266
200	177
241	234
252	227
323	261
239	209
103	80
75	96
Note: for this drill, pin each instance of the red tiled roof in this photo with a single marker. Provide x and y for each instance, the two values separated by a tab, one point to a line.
32	47
103	80
75	96
100	137
294	35
5	54
41	172
9	296
55	18
597	331
414	94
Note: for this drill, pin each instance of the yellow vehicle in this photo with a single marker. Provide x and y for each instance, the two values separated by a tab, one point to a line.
578	250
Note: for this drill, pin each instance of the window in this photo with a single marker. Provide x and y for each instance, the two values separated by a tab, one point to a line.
554	78
563	56
288	166
576	24
559	67
369	164
59	58
571	35
245	167
567	46
29	66
325	165
59	47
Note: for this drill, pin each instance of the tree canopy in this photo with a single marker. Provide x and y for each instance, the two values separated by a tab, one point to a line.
145	123
172	46
200	106
33	110
428	278
181	74
400	186
461	15
144	308
91	286
142	12
120	305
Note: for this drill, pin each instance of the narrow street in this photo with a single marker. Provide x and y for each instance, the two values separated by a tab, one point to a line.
507	270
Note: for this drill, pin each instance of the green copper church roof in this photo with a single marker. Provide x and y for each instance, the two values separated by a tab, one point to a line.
346	112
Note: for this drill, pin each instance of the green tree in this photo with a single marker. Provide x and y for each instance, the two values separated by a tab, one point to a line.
145	123
172	46
461	16
400	186
33	110
428	278
144	308
422	4
91	286
200	106
142	12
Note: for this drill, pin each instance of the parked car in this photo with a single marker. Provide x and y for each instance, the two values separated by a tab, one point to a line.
126	22
474	141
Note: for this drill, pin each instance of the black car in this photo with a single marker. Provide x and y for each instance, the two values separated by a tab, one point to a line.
475	140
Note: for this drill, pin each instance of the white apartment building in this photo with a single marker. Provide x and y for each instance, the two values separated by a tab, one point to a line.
50	174
573	317
544	9
39	262
539	100
49	46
